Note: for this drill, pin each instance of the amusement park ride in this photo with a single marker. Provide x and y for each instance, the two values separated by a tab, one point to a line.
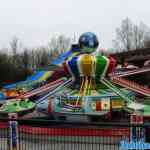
90	86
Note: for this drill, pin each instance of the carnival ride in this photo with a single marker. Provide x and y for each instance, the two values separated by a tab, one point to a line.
90	86
15	97
98	93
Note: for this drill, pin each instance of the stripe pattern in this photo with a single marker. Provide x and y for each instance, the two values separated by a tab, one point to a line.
88	65
101	105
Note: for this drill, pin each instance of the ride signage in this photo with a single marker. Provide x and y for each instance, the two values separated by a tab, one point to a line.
137	135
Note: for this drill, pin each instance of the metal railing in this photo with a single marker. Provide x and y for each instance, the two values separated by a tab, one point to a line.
56	135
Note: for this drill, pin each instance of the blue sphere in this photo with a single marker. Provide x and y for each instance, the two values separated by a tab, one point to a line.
88	42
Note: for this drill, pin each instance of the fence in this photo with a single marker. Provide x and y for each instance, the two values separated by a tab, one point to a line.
56	135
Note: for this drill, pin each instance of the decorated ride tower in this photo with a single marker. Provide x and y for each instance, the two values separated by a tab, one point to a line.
87	68
89	65
92	91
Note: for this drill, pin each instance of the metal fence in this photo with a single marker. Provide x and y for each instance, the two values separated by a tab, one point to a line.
56	135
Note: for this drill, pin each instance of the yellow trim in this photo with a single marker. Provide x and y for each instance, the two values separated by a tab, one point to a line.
116	104
73	54
45	76
80	91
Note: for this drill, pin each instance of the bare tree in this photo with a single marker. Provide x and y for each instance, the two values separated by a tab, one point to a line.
141	34
26	59
130	36
123	35
59	44
44	59
14	45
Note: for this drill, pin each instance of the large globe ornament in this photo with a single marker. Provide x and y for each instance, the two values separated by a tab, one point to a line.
88	42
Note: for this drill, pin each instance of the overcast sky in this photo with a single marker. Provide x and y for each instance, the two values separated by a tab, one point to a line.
35	21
